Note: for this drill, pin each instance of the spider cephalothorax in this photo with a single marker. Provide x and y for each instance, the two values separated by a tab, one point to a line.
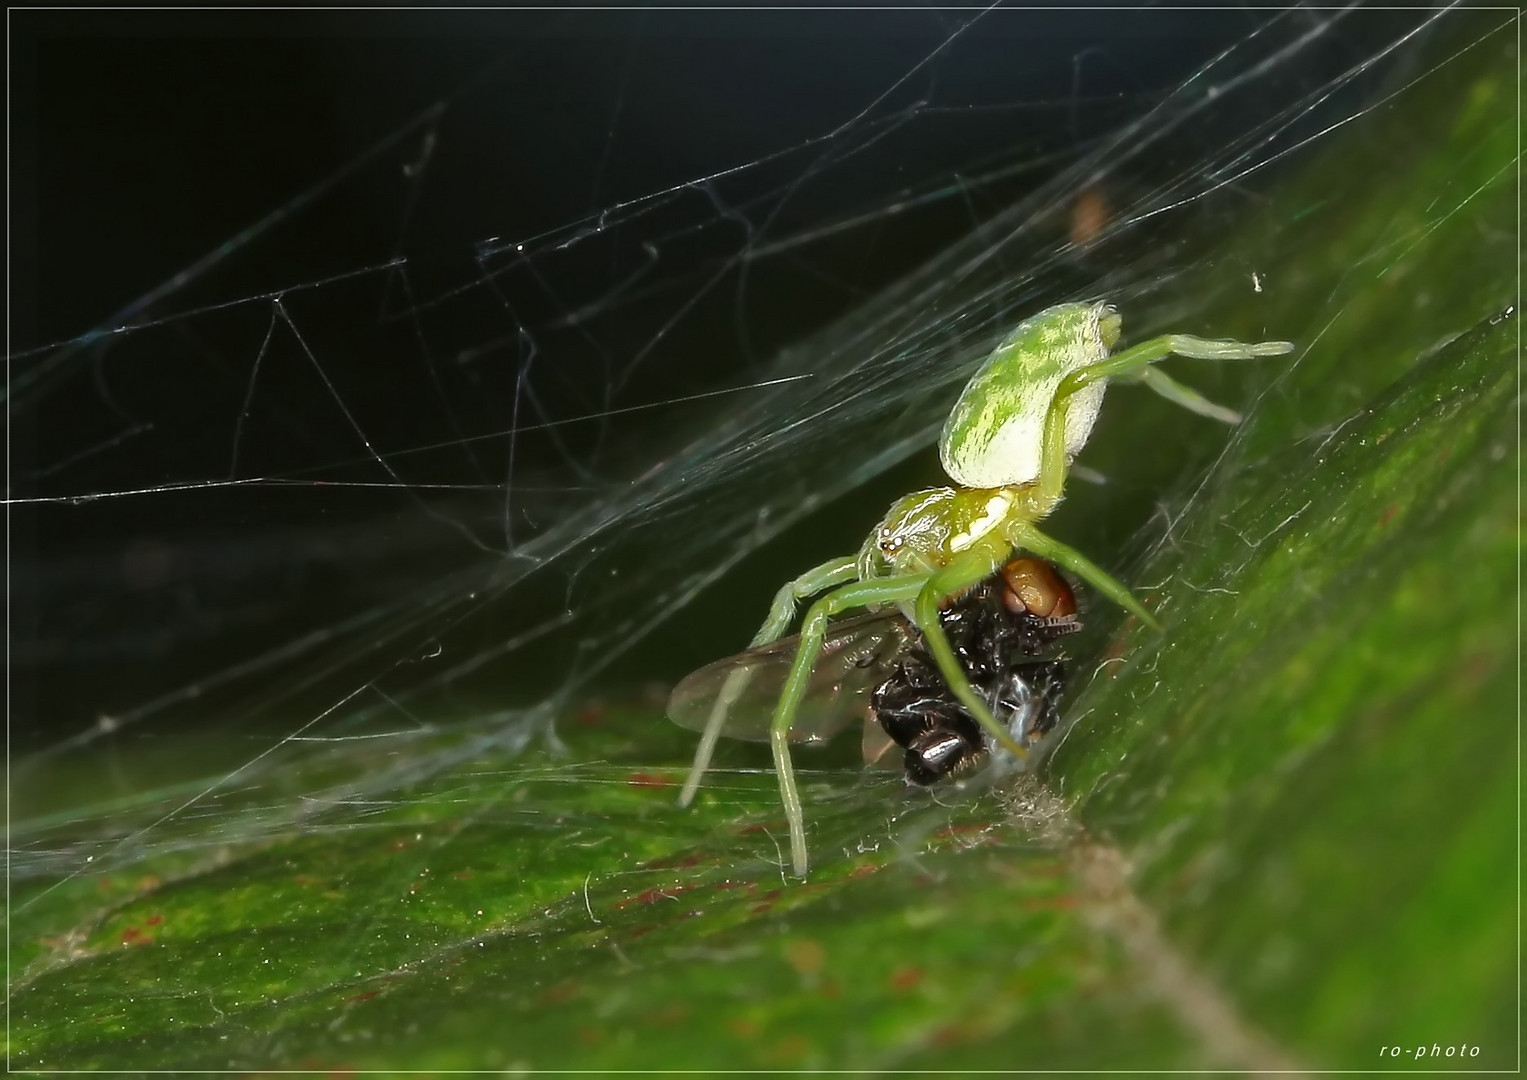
1007	446
927	529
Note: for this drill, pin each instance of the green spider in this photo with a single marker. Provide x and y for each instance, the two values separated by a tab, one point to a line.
1007	446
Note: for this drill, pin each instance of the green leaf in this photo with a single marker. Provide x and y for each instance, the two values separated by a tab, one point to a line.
1282	834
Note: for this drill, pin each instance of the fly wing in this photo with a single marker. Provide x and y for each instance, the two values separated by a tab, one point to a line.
856	655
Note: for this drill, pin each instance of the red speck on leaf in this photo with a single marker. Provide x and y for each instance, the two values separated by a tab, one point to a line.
806	956
750	887
563	992
763	826
652	896
950	1035
644	779
669	1015
790	1048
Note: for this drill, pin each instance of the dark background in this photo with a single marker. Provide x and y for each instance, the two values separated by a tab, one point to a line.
474	222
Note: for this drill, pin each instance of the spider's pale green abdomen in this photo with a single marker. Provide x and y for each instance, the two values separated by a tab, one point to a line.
994	436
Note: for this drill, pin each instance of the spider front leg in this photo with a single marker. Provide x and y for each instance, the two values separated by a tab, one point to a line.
859	594
781	613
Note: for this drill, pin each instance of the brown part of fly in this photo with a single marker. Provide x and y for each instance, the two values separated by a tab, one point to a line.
1035	587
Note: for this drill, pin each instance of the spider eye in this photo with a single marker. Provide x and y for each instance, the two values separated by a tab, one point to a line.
1110	324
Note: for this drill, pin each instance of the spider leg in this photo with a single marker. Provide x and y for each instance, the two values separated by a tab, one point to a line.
781	614
817	579
1186	396
1132	362
1025	535
967	569
736	682
813	629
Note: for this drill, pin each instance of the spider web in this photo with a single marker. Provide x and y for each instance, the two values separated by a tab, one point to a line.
521	364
